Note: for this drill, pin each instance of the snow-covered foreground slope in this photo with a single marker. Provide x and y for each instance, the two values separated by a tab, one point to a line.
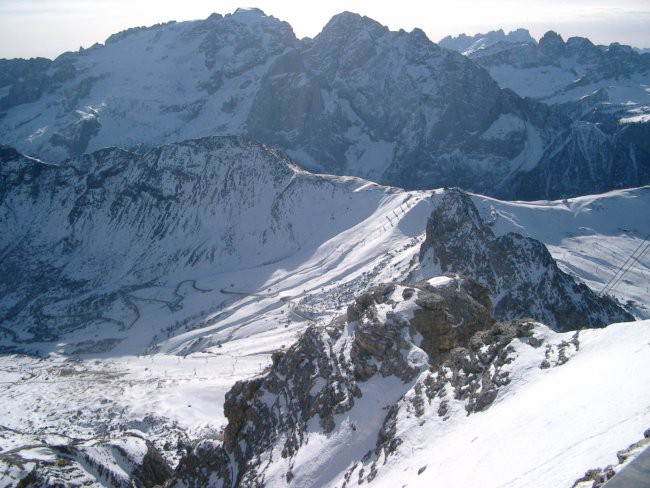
206	312
546	428
169	283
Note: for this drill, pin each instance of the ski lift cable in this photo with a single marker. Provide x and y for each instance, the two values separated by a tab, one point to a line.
614	277
635	259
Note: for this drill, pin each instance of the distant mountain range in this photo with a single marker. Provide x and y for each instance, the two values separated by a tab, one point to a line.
357	99
470	44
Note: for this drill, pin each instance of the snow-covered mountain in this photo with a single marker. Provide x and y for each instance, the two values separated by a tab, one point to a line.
467	45
558	71
602	89
357	99
210	256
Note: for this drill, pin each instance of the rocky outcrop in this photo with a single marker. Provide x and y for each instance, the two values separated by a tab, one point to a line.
430	339
128	461
522	277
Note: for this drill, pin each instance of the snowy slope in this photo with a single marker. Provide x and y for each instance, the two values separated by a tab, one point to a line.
208	314
186	221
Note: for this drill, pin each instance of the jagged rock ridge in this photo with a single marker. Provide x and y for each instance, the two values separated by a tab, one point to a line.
523	279
393	332
468	45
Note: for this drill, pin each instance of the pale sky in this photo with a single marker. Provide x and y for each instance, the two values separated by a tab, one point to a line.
30	28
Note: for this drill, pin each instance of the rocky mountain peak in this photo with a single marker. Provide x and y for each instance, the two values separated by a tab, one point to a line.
351	24
552	43
523	279
392	331
521	35
252	12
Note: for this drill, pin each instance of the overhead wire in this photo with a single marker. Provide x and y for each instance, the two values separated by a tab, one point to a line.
626	266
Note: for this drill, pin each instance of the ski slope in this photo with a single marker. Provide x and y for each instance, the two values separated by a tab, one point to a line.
240	316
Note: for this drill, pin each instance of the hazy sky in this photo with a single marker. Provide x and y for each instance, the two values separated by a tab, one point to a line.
47	28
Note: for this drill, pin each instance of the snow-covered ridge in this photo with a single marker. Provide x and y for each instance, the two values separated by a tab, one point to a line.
593	238
519	272
181	219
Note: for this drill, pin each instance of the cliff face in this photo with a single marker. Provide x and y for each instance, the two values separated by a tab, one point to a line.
519	272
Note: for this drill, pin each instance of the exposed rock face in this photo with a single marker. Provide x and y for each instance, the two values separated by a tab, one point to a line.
433	338
522	277
436	316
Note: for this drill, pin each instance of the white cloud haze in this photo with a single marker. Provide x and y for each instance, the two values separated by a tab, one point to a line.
47	28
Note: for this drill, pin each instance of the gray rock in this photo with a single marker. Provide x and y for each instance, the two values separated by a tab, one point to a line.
314	380
522	277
